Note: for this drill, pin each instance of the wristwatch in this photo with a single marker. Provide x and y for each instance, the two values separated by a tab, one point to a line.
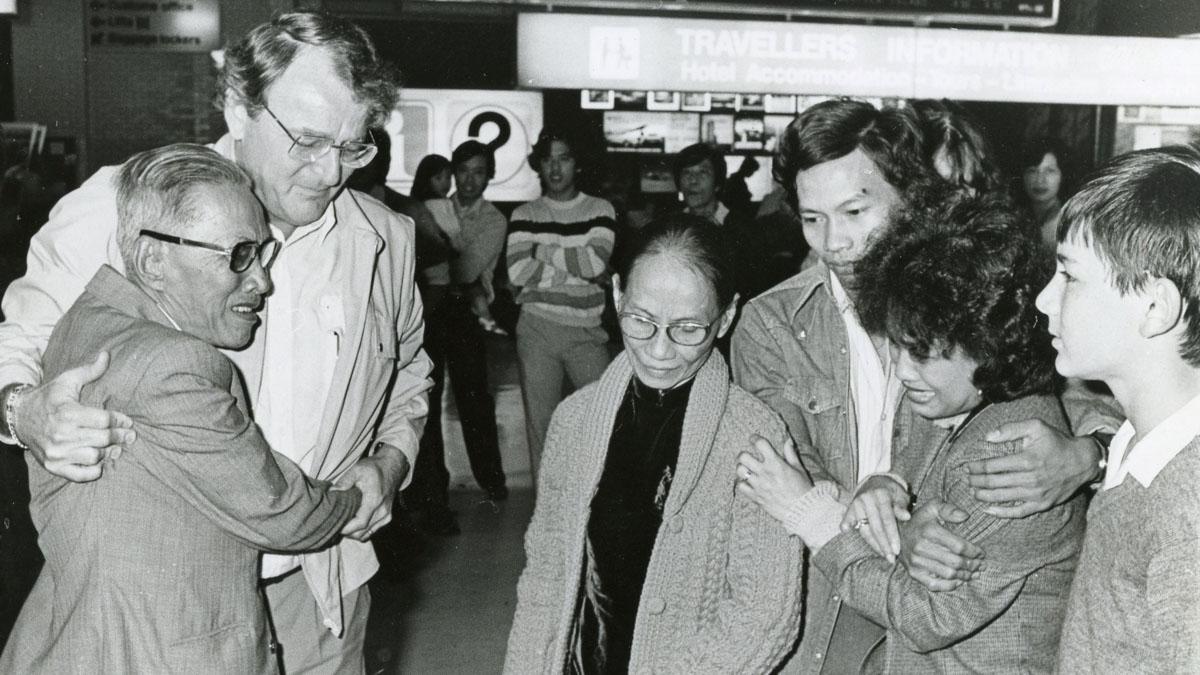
8	399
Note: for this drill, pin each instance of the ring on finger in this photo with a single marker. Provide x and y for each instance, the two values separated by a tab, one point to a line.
860	523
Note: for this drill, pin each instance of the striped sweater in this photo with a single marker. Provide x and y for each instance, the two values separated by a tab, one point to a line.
558	257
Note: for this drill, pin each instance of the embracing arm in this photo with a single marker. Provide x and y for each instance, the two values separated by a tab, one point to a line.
927	620
198	442
536	624
759	366
1052	466
69	439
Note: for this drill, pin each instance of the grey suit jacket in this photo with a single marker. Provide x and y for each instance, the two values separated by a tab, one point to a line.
154	568
1009	619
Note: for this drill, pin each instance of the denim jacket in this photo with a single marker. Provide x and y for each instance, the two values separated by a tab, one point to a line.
790	350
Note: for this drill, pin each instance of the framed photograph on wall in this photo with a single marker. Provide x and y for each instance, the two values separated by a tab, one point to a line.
635	131
780	104
596	99
662	100
696	102
717	131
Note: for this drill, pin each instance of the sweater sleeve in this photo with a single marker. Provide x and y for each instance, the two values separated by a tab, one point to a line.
542	587
756	617
586	259
1173	593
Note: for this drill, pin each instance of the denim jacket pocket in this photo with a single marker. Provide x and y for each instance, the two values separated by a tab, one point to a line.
822	404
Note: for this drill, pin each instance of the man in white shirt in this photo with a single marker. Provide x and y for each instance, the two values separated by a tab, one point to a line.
336	379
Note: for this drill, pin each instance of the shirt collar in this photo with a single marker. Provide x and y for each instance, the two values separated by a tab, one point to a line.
840	297
717	216
319	228
1145	460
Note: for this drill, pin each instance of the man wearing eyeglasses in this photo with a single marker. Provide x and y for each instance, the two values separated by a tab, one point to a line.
336	377
152	558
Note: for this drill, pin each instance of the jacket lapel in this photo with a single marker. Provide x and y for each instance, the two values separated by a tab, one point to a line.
362	247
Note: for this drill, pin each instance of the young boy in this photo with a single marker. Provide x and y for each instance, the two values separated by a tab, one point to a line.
1124	308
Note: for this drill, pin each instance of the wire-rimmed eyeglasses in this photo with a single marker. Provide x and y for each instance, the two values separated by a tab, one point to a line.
310	148
684	333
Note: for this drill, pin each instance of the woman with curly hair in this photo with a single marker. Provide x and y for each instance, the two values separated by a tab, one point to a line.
952	286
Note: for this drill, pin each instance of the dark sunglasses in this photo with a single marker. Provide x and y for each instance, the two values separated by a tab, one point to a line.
241	255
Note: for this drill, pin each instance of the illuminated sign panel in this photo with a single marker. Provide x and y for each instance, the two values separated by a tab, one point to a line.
132	25
980	12
573	51
437	120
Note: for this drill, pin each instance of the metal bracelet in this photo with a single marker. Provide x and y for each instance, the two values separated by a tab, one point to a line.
10	412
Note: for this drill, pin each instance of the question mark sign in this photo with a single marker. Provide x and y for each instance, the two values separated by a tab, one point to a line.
504	131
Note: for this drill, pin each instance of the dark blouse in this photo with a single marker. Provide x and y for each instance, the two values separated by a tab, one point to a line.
626	512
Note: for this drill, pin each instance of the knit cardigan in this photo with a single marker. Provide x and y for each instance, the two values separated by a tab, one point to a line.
723	587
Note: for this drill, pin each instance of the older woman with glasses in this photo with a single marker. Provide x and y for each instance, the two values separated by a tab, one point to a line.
642	557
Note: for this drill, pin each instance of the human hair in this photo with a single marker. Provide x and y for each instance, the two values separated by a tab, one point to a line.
694	155
468	150
156	189
950	132
546	138
832	129
693	240
955	270
260	58
1033	153
1140	214
430	166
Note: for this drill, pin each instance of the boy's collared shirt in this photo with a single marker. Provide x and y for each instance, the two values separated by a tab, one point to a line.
1145	460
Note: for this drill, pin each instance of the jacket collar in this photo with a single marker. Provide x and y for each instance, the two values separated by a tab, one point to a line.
126	297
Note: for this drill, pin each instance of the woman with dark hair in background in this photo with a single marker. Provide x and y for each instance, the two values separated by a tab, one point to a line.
432	180
642	557
972	354
1044	174
956	149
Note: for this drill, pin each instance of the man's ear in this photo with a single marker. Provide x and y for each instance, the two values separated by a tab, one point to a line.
236	115
726	320
1164	308
616	286
149	263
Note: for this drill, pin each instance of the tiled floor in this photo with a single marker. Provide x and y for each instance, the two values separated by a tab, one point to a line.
444	605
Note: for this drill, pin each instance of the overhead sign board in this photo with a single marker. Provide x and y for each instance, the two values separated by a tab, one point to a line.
176	26
435	121
1039	13
574	51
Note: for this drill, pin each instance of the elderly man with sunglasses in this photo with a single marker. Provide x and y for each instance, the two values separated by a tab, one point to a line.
336	378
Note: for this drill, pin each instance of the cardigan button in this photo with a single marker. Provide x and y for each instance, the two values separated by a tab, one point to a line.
677	524
656	605
812	404
803	334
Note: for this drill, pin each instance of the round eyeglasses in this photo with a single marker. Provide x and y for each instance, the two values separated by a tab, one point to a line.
241	255
684	333
310	148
